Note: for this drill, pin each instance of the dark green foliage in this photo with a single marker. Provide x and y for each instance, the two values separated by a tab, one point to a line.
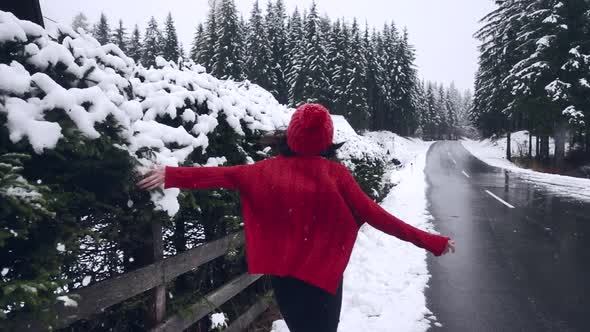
369	175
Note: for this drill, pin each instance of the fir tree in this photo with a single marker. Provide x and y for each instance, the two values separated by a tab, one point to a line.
199	46
443	112
391	85
313	61
102	31
405	84
170	40
432	120
337	55
228	62
277	38
80	21
258	55
294	57
181	53
135	49
209	52
120	37
375	75
357	109
152	46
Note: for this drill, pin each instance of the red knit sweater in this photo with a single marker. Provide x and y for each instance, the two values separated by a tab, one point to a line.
301	215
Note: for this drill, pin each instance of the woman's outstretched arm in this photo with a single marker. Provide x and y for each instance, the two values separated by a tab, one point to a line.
372	213
206	177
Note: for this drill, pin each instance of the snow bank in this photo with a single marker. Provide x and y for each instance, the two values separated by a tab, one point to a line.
357	146
494	154
519	144
385	280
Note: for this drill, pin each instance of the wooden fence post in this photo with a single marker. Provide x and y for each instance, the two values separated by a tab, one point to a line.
156	311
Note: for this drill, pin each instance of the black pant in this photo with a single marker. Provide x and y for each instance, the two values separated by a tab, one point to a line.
307	308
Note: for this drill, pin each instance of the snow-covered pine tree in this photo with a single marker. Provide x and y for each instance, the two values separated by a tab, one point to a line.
443	112
499	52
170	40
375	77
454	105
209	53
554	63
258	51
135	48
295	57
199	46
421	107
120	37
432	119
356	107
80	21
337	62
102	31
389	63
451	116
405	87
152	46
181	53
277	38
463	117
228	62
314	68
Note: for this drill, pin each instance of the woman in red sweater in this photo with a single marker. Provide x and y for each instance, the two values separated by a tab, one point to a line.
302	211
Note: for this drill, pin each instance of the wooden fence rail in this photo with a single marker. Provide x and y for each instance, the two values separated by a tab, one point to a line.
100	296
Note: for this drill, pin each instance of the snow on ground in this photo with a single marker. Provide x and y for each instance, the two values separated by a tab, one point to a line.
519	144
494	154
385	280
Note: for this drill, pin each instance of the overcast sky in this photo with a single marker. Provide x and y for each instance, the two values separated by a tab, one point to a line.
440	30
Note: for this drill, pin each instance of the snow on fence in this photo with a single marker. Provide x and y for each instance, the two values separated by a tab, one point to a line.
153	278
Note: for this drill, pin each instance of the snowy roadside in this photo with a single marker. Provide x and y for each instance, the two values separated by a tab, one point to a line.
494	154
385	280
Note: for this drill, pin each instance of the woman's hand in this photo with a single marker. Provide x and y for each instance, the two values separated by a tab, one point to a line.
450	247
153	179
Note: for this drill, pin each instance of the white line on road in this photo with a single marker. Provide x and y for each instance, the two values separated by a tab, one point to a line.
499	199
466	175
451	157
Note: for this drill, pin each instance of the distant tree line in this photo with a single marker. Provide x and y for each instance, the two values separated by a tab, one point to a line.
367	75
533	73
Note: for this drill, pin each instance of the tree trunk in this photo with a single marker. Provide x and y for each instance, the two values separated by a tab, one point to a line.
530	145
544	147
156	304
509	146
587	140
537	148
560	138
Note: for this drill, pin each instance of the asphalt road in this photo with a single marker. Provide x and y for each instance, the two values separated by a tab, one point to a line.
522	264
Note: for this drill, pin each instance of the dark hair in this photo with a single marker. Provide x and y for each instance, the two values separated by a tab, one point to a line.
277	140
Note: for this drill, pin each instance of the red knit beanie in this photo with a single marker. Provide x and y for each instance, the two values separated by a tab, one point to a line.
311	130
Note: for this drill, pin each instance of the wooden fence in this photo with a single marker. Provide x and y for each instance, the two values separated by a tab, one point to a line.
152	278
